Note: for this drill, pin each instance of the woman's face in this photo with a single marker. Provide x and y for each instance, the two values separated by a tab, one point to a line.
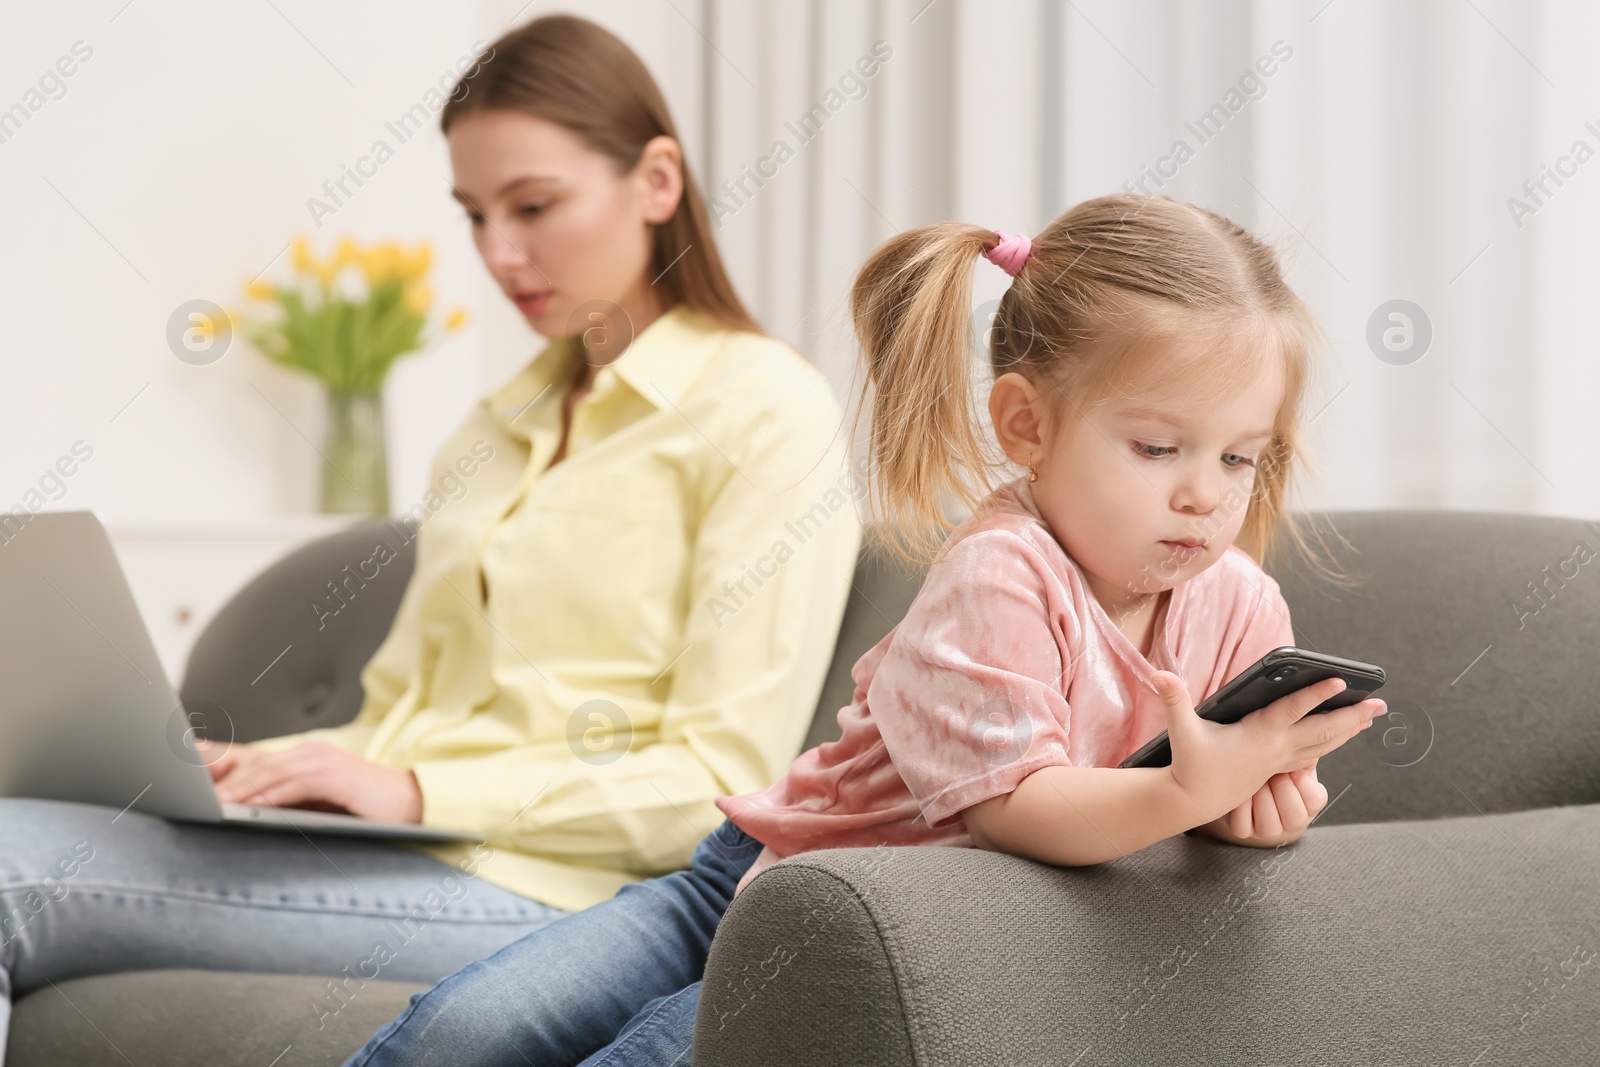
555	223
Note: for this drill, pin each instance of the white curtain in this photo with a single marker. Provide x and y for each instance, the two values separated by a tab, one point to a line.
1375	144
1435	151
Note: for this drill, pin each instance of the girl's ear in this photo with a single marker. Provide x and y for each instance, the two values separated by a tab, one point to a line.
1016	410
659	173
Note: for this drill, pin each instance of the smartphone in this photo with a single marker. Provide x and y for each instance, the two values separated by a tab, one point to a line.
1277	674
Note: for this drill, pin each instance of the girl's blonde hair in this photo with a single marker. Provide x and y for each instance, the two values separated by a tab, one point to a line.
1102	283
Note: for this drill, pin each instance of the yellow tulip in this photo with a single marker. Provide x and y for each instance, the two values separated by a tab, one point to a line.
378	263
207	325
418	262
418	297
394	258
348	252
303	259
260	290
456	320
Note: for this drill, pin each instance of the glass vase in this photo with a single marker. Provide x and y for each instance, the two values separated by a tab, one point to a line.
355	471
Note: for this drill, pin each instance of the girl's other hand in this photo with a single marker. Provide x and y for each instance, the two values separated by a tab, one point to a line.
1220	767
1278	814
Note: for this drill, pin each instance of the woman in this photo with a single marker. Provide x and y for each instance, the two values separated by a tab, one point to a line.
629	612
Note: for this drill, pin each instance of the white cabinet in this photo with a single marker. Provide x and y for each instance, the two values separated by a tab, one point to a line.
182	573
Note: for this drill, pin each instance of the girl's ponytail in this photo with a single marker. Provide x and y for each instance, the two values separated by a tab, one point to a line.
1107	287
911	306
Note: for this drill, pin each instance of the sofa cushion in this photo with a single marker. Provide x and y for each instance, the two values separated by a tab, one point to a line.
1483	620
196	1019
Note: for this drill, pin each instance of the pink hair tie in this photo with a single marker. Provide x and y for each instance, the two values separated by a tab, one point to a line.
1010	253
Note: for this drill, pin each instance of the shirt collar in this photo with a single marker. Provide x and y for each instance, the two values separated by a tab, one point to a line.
660	364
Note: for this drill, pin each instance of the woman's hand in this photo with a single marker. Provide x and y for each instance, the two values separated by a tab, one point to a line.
1278	814
314	774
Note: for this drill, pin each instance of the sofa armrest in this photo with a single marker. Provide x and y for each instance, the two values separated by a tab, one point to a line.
1405	942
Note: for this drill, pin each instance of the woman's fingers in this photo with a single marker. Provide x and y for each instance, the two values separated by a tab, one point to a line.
216	759
237	761
309	772
222	760
288	792
249	783
282	792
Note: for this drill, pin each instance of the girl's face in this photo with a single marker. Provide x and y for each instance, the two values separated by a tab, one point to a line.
555	223
1122	485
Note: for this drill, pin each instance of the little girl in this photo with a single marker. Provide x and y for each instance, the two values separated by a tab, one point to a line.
1150	368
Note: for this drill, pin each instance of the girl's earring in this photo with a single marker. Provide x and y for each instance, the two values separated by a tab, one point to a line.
1033	475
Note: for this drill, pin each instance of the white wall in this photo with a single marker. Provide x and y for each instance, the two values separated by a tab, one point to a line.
179	161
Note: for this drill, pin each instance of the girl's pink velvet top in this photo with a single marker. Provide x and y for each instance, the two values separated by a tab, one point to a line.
1004	663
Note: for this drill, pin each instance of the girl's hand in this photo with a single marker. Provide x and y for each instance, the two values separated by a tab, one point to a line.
1220	767
314	775
1278	814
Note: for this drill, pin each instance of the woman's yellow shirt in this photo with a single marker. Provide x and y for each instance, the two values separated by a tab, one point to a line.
586	655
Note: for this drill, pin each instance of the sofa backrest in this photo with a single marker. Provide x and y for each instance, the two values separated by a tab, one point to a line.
1484	622
325	620
1489	708
880	593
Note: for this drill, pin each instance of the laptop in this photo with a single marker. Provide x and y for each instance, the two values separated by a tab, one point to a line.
86	711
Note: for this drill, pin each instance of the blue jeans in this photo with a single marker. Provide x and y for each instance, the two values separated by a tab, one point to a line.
615	984
87	890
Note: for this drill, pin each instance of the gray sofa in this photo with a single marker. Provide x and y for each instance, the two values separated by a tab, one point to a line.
1444	909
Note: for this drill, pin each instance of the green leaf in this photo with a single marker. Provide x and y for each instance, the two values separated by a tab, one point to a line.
348	345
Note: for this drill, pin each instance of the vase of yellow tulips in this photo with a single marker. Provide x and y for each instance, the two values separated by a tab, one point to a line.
344	320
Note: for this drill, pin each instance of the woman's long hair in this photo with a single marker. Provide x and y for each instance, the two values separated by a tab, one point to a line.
579	75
